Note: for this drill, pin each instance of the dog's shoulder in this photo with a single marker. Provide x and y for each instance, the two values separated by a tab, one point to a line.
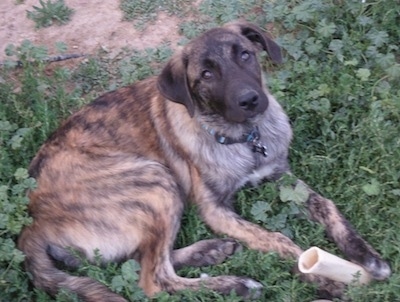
119	119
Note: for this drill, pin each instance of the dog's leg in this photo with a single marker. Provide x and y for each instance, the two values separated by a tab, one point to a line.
159	232
223	220
205	252
348	240
157	273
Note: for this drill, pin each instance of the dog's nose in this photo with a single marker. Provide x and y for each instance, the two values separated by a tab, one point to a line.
248	100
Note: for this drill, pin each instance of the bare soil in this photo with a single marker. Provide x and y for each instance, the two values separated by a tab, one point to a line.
94	24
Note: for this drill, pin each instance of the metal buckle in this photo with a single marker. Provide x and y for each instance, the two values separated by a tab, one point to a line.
259	147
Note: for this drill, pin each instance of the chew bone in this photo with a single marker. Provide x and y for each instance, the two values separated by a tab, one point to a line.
319	262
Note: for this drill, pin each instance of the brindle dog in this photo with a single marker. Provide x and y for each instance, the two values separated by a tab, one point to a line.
116	175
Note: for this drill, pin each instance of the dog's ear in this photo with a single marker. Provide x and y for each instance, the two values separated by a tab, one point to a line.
173	83
258	36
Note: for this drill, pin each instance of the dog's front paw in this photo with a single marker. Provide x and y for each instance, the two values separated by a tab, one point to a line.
326	288
331	290
213	251
379	269
242	286
205	252
253	289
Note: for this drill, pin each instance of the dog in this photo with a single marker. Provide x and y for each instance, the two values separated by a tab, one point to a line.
115	177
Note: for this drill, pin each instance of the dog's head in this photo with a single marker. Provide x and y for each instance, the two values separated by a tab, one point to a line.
218	73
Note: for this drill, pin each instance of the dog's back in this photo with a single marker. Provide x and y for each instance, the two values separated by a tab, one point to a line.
83	173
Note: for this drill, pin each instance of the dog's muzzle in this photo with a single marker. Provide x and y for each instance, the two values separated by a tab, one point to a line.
246	105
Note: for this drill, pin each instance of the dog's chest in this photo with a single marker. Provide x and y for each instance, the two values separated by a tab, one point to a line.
231	167
227	167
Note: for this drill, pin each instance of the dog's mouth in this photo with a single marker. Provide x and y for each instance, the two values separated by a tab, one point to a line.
240	117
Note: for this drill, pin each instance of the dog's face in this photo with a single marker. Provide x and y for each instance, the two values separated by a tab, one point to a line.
218	73
225	77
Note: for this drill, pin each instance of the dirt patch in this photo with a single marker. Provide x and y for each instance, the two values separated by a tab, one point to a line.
94	24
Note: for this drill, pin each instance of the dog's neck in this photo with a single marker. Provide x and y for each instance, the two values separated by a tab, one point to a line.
252	138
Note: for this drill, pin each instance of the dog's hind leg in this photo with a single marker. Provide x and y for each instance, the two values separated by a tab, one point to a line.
205	252
157	273
155	252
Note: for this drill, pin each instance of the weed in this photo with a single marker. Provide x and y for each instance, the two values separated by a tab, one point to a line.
210	13
91	74
49	13
140	65
13	202
105	72
143	11
226	11
136	9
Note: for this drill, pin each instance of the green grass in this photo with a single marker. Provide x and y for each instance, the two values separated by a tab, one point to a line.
340	84
143	11
49	13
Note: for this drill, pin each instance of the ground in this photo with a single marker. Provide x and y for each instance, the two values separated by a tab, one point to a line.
94	24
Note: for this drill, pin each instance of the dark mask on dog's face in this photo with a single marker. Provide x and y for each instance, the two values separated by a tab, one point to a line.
225	78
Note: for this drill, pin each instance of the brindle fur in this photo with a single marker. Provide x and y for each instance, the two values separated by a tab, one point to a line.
116	175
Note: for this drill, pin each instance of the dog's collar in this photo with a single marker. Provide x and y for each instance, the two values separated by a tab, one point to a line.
252	139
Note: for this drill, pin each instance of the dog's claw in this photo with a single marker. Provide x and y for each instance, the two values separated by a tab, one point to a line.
379	269
248	288
254	287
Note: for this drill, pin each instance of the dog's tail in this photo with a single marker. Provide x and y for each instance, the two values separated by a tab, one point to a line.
45	275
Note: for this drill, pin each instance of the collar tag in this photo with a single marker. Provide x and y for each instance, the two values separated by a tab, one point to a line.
259	147
252	138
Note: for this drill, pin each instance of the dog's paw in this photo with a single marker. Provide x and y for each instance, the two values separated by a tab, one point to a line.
253	289
379	269
331	290
206	252
326	288
242	286
215	251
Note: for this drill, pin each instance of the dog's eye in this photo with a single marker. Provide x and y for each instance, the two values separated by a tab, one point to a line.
206	74
245	55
